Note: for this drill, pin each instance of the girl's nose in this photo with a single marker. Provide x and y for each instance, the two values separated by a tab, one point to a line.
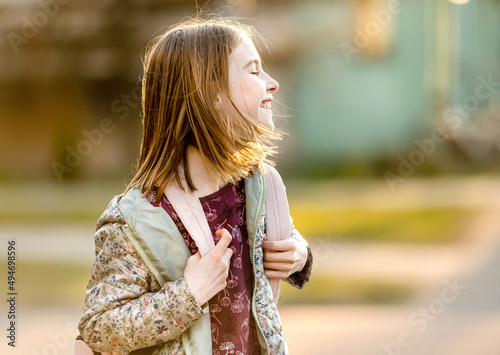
272	85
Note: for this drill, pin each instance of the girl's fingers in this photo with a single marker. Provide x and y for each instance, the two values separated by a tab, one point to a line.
223	243
279	245
274	274
278	266
285	257
227	255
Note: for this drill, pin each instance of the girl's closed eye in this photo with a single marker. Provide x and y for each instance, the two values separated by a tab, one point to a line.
256	73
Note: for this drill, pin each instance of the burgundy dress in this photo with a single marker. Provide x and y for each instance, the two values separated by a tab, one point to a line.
232	323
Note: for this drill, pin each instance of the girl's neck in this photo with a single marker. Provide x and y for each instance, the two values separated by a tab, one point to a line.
203	174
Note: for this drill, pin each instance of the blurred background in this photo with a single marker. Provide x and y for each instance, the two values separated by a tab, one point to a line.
391	161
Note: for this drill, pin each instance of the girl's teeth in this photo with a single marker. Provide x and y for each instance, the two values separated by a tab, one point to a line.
266	104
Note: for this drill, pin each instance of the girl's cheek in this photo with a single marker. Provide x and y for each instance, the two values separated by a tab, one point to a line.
259	87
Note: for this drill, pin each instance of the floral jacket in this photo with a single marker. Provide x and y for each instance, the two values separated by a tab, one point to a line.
137	296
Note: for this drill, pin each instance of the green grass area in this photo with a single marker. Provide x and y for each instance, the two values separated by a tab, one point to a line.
414	226
325	289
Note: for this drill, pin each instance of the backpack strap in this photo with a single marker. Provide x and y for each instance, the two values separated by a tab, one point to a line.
189	209
278	220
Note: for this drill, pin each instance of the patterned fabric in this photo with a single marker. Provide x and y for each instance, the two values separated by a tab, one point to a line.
126	308
232	325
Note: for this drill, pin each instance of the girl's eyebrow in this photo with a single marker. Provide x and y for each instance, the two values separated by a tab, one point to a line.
253	61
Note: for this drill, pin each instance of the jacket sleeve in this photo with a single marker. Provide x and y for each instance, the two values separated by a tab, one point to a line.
300	278
126	309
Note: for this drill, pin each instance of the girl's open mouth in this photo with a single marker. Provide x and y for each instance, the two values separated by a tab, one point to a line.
266	104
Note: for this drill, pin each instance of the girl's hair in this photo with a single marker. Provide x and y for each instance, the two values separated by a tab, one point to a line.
184	71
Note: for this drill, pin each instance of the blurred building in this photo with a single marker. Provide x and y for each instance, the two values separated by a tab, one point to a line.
363	82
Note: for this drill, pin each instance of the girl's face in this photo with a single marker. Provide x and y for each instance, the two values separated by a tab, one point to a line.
250	87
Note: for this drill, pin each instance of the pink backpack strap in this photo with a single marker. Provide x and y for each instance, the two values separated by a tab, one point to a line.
189	209
278	221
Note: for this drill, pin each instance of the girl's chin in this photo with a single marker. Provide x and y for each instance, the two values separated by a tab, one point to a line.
266	119
268	124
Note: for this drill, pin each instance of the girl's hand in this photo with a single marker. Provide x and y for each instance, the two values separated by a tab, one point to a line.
207	275
283	258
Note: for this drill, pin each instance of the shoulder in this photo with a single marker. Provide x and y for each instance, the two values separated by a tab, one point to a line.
260	177
270	169
273	178
266	170
111	214
109	226
111	241
123	208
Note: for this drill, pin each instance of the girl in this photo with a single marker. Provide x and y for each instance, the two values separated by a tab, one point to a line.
208	130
